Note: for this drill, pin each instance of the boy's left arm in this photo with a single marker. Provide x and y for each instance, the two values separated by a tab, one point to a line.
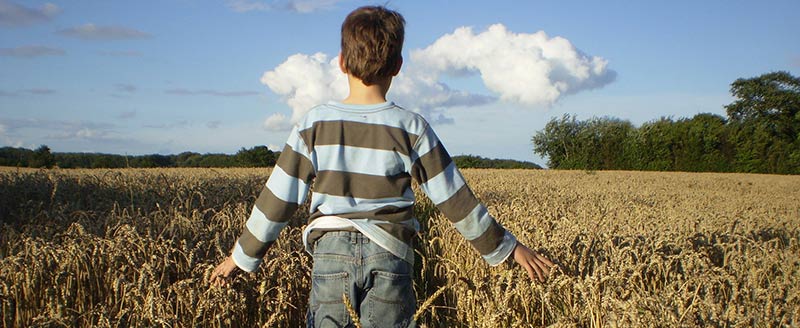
442	182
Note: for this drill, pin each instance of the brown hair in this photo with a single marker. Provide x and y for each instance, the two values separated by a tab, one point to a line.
372	42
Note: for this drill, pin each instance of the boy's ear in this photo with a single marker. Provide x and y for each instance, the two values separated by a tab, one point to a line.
341	64
399	65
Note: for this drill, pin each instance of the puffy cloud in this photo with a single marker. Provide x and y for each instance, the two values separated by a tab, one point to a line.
94	32
305	81
530	69
277	122
12	14
300	6
31	51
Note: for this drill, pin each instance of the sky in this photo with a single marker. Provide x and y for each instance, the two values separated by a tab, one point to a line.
214	76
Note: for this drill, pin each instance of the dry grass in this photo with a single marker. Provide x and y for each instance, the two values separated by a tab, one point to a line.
122	248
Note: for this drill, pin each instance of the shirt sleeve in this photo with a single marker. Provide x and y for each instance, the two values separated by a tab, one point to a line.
286	189
442	182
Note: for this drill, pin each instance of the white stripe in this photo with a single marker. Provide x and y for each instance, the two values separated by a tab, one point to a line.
262	228
475	224
444	185
503	251
244	261
329	204
361	160
286	187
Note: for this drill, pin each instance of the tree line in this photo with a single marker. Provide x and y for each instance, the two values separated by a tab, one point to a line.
258	156
759	135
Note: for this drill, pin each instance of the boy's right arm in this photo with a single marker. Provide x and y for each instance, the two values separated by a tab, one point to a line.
286	189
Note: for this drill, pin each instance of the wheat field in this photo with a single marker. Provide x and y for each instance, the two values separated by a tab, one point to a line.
134	248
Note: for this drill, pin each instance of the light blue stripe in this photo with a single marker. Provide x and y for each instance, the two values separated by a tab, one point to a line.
361	160
297	144
243	261
394	117
425	144
503	251
286	187
444	185
262	228
475	224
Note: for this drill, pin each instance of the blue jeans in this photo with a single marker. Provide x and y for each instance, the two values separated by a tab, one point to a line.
378	284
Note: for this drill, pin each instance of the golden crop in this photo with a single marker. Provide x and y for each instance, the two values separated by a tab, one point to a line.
134	247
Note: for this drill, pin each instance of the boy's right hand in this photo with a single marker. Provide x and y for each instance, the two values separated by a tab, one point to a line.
224	272
538	266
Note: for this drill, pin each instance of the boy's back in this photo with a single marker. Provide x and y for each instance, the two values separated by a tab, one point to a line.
361	155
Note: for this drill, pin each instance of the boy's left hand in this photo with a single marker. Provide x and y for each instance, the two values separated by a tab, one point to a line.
537	266
224	272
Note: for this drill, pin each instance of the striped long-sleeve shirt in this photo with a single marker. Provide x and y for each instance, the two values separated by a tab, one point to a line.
361	160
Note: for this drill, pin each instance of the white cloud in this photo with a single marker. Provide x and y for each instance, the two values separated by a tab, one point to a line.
277	122
305	81
300	6
94	32
531	70
31	51
12	14
213	124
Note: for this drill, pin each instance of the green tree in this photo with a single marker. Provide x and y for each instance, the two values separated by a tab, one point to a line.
258	156
42	157
765	121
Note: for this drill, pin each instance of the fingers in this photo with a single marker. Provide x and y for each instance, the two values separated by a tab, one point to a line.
222	273
529	268
544	260
539	274
543	263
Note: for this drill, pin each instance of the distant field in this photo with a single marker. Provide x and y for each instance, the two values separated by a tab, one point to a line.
81	248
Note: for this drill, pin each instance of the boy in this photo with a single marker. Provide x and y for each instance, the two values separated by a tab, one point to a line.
361	154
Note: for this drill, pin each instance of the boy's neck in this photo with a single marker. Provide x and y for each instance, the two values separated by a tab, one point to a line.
361	94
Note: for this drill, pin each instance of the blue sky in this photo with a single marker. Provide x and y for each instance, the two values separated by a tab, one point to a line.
140	77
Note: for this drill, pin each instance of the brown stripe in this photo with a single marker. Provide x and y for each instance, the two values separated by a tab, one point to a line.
295	165
252	246
348	184
431	164
489	240
356	134
274	208
459	205
387	213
